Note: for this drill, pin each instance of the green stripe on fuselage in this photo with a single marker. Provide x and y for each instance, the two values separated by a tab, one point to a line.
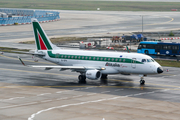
92	58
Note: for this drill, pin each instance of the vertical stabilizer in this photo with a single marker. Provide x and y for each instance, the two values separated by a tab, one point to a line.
41	39
128	49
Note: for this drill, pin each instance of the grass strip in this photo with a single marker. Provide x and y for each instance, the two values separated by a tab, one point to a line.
169	63
90	5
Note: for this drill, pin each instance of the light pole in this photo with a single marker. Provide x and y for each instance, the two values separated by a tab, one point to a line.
142	24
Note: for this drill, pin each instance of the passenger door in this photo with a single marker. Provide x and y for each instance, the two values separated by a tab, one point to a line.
133	63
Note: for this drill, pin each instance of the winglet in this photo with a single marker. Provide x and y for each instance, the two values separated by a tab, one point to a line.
21	61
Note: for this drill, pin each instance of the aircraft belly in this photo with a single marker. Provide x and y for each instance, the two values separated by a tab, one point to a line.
110	70
143	69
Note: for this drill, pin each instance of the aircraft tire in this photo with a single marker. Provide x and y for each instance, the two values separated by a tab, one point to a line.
142	82
104	76
82	79
104	81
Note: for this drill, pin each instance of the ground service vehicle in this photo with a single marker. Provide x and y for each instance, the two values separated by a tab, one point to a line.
159	48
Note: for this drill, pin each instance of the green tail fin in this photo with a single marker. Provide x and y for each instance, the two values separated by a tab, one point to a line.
41	39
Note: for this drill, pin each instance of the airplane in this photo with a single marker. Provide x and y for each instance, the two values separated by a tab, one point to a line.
93	65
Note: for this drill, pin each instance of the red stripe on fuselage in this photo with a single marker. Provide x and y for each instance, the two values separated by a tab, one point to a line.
42	45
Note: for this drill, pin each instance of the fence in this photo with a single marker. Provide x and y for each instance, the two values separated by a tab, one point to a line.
24	16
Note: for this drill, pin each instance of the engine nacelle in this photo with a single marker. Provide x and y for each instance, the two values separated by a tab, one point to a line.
93	74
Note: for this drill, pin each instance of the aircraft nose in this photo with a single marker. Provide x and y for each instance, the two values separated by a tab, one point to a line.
159	70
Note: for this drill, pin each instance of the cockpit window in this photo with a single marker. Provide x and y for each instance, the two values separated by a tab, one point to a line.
143	60
150	60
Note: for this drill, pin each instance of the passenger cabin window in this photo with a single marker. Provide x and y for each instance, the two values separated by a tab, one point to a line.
169	47
175	47
140	46
165	47
143	46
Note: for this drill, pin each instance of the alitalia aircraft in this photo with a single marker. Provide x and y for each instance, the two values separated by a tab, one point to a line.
92	64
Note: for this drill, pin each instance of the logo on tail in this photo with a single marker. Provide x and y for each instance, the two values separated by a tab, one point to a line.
41	39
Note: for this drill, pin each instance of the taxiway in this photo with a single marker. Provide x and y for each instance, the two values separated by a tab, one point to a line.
35	94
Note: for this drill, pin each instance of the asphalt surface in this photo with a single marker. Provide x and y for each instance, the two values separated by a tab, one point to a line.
35	94
96	23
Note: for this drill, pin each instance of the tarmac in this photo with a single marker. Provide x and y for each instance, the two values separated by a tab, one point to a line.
36	94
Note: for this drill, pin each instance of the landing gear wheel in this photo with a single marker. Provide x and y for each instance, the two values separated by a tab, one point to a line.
82	79
142	82
103	82
104	76
103	79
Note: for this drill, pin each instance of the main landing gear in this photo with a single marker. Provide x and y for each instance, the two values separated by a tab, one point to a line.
82	79
142	81
104	79
104	76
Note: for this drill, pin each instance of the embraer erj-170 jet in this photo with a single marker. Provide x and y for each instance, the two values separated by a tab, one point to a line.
92	64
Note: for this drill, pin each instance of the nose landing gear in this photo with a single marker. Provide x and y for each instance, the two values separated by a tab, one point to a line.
142	81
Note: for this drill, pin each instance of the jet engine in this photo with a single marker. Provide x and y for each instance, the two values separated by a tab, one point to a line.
93	74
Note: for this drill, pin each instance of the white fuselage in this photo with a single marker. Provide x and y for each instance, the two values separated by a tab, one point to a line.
113	62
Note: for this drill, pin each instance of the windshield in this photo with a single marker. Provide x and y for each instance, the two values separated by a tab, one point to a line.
143	60
147	60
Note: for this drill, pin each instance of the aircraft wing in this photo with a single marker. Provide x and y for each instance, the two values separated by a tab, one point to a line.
64	67
31	53
73	68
